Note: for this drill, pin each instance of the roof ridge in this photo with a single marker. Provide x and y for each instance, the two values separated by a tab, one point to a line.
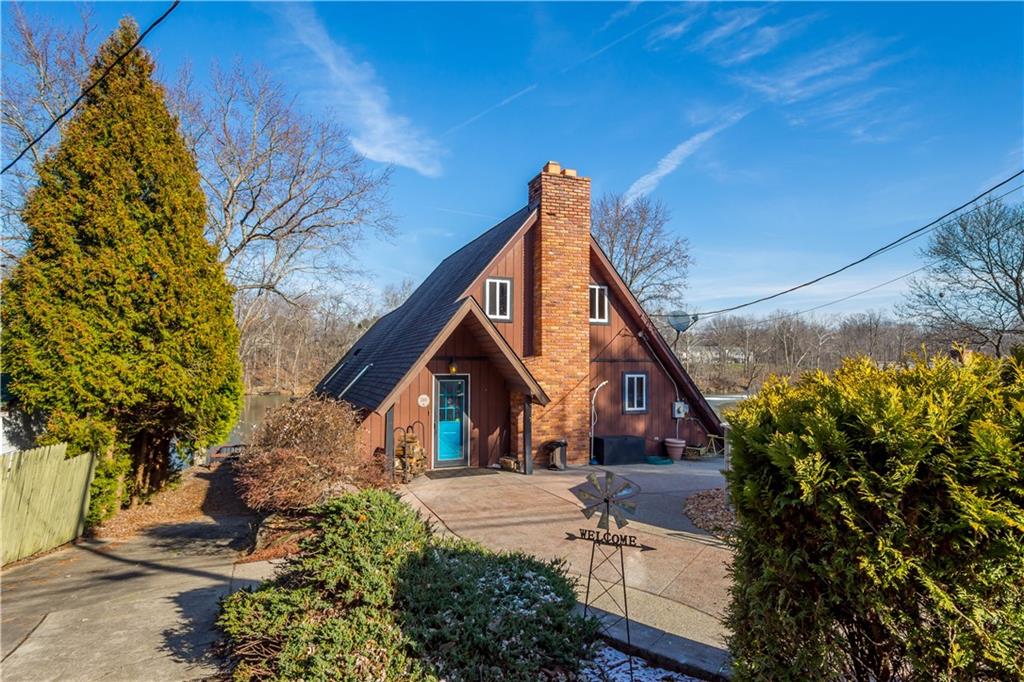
395	337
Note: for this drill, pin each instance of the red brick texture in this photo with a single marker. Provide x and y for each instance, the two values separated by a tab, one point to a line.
561	331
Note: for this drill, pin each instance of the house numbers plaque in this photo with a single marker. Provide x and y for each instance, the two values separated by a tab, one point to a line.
423	400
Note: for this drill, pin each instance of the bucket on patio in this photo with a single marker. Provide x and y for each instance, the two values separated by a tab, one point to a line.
556	450
675	447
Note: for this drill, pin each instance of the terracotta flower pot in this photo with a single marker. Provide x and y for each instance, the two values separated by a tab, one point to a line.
675	448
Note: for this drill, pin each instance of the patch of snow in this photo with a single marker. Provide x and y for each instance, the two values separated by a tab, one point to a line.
611	665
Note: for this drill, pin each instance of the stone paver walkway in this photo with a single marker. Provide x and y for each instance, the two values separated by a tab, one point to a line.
677	593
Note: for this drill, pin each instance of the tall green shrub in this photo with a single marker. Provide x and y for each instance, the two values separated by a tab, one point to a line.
117	322
881	524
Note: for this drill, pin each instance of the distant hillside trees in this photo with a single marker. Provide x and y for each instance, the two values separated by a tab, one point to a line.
117	320
973	290
737	353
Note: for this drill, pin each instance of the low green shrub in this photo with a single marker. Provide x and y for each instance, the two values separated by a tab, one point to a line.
277	633
372	596
476	615
881	524
361	540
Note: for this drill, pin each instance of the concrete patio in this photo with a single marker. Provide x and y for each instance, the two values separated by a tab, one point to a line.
677	593
136	609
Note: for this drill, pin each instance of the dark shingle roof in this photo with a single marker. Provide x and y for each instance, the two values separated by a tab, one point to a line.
393	344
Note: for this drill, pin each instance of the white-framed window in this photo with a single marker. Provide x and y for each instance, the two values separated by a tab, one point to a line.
634	392
598	303
498	298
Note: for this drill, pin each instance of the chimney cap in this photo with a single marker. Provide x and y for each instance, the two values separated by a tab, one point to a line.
552	167
569	172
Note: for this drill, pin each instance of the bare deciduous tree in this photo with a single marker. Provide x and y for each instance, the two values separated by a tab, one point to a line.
288	197
635	236
284	189
44	69
973	290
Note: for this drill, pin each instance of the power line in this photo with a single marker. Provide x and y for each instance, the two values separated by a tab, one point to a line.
784	316
87	90
882	249
798	313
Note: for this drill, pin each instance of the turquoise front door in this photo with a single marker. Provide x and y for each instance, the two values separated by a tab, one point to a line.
451	421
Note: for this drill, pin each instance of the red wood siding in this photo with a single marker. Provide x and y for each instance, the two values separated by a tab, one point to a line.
616	349
513	263
488	401
373	427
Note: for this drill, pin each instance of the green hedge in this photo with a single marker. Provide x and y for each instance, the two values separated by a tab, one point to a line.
361	542
881	524
476	615
373	596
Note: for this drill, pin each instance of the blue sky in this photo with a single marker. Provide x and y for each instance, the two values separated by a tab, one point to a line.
786	138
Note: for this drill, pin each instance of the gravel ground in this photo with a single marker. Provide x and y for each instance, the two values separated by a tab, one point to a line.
200	492
708	510
611	665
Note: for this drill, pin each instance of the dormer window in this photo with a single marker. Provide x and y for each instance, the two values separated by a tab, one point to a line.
498	298
598	304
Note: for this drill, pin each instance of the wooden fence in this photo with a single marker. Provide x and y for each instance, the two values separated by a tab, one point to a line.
44	497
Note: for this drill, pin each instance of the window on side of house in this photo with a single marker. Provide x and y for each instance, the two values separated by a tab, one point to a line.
634	392
598	303
498	298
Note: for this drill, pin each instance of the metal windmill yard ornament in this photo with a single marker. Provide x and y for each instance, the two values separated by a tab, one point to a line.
610	499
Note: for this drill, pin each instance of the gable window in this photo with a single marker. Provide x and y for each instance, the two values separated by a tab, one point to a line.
498	298
598	303
634	392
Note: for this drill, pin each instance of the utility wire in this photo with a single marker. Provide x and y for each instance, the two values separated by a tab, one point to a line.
784	316
878	286
89	89
882	249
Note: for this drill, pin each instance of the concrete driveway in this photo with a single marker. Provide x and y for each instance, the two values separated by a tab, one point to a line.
677	594
137	609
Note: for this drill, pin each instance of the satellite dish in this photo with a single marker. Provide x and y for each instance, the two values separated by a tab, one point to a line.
681	321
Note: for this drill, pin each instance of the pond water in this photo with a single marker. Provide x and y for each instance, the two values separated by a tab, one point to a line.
256	407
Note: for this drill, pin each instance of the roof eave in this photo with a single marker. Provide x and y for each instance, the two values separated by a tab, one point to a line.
469	306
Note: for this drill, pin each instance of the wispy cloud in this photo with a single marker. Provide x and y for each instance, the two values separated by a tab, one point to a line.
378	132
647	183
621	13
731	22
672	30
596	53
625	36
848	62
508	100
762	40
867	115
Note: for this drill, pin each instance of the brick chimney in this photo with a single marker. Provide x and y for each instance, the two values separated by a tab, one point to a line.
561	329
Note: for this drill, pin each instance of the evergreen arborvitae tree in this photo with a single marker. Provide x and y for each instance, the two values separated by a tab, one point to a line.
117	321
